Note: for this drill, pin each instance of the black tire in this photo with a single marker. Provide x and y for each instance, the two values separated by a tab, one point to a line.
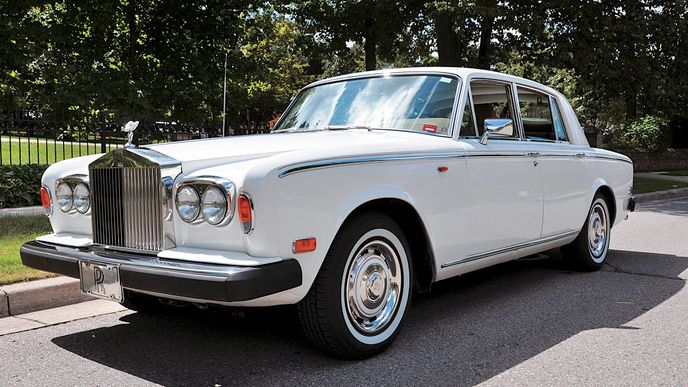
142	303
588	251
329	314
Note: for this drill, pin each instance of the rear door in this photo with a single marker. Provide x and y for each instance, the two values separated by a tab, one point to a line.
562	165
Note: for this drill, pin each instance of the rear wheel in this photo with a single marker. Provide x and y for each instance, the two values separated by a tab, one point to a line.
589	250
358	301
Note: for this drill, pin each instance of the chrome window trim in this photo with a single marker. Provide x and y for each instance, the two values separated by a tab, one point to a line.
507	249
552	102
225	185
452	117
551	98
512	101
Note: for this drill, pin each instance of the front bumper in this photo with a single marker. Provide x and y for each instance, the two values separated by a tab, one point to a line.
177	279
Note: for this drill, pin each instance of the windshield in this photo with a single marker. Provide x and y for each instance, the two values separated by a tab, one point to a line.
419	103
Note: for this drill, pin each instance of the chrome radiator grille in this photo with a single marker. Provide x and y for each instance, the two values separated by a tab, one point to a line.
126	207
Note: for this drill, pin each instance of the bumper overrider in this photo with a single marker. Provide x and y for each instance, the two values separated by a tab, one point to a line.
176	279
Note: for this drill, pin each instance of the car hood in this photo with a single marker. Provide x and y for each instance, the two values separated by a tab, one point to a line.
199	154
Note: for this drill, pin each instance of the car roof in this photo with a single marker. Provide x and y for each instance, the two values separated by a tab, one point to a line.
462	72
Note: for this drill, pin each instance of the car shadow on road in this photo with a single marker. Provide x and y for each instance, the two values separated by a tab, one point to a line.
467	330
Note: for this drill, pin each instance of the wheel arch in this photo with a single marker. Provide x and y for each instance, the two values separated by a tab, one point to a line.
411	223
602	187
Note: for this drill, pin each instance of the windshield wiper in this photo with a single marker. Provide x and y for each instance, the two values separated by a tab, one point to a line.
329	127
285	130
346	127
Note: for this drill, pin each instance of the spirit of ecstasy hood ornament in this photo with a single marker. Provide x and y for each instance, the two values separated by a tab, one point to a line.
129	129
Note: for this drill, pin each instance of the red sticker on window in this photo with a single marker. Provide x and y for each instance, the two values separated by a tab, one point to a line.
430	128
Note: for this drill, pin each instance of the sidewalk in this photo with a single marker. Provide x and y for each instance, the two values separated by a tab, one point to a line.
59	315
34	210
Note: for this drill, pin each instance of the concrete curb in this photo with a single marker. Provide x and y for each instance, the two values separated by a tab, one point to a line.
26	297
34	210
4	305
668	194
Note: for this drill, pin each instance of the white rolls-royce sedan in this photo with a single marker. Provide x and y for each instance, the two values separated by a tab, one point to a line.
371	187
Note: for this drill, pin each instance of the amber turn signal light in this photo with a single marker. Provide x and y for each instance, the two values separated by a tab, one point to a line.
45	200
304	245
245	210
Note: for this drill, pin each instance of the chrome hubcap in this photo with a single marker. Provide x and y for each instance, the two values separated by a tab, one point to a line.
373	287
598	230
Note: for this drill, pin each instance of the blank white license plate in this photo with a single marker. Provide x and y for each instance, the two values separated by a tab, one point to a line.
100	280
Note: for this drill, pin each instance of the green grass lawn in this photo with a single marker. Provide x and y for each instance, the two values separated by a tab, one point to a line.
646	184
45	151
675	173
14	231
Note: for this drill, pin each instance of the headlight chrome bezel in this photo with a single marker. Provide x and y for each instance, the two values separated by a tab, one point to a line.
222	202
179	203
75	197
202	183
72	182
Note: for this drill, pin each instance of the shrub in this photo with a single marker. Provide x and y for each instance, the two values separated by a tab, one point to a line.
649	134
19	185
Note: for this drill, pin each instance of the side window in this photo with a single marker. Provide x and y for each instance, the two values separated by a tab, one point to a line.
559	128
491	100
467	122
536	115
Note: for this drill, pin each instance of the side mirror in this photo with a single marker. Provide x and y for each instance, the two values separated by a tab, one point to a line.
497	127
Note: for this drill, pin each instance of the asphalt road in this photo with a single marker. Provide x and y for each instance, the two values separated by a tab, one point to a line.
529	322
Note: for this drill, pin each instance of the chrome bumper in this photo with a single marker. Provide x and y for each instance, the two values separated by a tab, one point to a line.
145	273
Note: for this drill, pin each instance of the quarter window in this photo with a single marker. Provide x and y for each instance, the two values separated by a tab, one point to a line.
491	100
467	122
559	128
536	115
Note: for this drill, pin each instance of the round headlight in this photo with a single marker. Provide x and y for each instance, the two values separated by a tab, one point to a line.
64	197
82	201
188	204
214	205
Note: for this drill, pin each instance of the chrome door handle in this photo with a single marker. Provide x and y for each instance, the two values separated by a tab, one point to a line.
533	154
580	155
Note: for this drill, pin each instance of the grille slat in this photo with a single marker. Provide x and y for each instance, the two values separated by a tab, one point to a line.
126	207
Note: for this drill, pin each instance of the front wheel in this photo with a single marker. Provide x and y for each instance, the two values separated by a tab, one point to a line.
589	250
358	301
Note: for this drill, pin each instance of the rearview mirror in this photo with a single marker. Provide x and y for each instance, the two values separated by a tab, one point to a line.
497	127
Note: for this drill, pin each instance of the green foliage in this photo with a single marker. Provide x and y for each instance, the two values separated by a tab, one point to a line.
649	133
19	185
164	59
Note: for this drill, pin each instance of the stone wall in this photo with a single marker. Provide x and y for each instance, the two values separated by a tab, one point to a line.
672	159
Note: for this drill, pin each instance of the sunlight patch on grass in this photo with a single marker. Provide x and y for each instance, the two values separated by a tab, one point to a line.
15	231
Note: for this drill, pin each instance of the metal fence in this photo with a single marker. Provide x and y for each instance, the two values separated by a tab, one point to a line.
27	140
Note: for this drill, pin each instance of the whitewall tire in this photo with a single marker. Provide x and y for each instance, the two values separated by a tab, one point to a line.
357	304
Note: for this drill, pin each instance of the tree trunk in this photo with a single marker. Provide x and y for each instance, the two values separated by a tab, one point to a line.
631	106
369	45
485	49
133	38
447	40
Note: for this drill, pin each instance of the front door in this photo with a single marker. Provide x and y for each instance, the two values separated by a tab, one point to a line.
503	177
